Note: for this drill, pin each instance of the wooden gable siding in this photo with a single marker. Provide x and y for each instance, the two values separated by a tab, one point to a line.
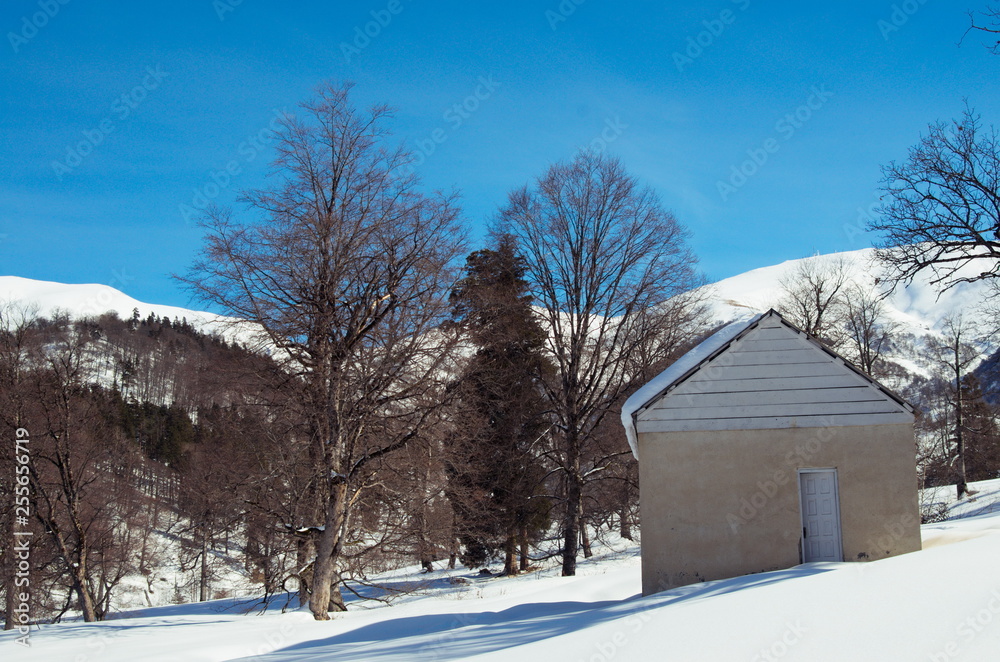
771	378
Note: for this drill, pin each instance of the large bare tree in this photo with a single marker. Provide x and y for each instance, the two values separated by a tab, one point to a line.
941	210
608	267
346	268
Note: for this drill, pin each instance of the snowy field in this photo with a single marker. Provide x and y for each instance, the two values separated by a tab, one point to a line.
939	604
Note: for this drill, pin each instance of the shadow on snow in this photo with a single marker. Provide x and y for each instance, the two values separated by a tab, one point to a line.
457	635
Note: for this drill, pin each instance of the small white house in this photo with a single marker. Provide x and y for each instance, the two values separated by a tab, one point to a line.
760	449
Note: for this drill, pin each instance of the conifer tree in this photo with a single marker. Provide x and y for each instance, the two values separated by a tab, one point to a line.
495	471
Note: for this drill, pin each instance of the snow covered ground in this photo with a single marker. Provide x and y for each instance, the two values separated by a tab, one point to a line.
939	604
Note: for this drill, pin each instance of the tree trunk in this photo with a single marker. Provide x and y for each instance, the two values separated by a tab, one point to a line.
303	555
574	512
585	539
961	486
203	580
524	549
452	543
83	592
336	602
425	553
326	590
425	548
11	597
625	526
510	550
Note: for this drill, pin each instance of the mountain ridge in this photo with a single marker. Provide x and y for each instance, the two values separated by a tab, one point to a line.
916	308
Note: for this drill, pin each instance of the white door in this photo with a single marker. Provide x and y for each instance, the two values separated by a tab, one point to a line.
820	516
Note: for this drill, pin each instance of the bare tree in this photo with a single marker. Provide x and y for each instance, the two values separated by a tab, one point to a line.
942	207
207	502
81	476
603	259
869	331
987	22
346	268
814	298
956	352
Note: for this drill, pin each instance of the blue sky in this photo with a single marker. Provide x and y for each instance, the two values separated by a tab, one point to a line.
118	121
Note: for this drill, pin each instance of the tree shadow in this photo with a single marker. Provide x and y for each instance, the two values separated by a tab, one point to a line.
455	636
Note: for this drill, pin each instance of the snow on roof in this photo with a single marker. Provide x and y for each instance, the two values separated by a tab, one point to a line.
678	369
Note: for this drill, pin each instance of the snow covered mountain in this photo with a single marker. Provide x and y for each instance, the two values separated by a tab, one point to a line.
89	300
47	298
916	309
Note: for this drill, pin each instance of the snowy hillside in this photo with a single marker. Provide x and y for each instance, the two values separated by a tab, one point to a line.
91	300
916	311
936	604
915	307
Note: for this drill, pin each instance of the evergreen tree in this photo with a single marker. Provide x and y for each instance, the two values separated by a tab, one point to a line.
495	470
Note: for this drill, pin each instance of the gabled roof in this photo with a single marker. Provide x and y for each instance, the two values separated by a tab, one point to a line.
712	347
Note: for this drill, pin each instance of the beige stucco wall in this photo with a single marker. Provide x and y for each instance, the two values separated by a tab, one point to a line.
724	504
